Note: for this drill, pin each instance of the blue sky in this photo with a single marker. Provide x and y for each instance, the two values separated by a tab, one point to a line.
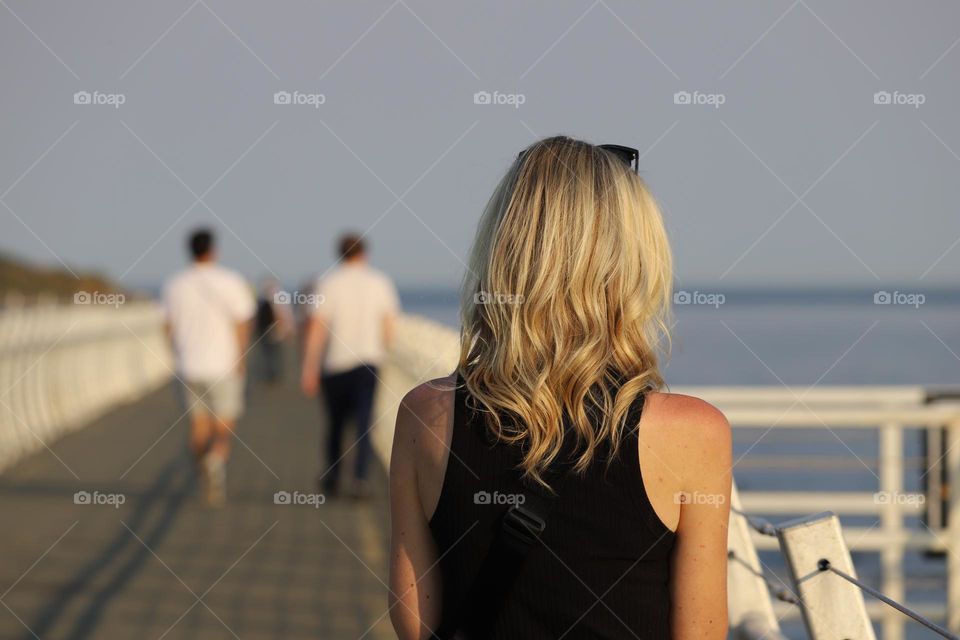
790	143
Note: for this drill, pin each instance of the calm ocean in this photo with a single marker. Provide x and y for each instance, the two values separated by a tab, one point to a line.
772	337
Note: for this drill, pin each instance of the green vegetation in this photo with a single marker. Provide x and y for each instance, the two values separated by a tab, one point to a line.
32	281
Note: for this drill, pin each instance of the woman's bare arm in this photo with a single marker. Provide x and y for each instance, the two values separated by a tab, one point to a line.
699	568
414	575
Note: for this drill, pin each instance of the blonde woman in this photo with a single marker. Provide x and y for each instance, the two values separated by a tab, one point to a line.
548	488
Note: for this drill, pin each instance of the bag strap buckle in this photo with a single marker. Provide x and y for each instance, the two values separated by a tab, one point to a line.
523	525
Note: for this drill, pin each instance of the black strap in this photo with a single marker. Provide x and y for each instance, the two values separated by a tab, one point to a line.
521	528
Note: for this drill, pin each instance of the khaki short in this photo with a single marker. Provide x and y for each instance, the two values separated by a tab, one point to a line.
223	398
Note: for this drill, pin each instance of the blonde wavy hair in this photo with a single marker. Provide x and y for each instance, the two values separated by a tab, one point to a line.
567	295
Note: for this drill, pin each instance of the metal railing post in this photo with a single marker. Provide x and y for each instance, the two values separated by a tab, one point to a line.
933	479
891	519
832	608
953	527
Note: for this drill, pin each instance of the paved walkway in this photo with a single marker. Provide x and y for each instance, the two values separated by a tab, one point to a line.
164	566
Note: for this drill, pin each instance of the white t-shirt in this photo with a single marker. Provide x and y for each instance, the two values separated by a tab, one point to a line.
203	305
353	301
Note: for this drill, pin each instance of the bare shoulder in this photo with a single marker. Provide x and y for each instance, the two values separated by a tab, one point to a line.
422	439
425	399
425	415
692	429
687	414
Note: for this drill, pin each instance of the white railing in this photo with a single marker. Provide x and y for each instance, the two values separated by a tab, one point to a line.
889	412
63	365
422	350
426	350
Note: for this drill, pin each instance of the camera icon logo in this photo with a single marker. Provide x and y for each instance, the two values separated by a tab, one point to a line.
81	497
882	97
681	97
281	297
882	297
682	297
82	297
81	97
482	497
482	97
282	97
281	497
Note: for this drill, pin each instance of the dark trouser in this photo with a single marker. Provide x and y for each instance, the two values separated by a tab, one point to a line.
272	360
348	395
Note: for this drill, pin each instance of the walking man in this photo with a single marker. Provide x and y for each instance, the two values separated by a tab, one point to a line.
348	334
208	311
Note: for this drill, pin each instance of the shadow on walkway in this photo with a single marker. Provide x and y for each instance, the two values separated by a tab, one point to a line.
161	565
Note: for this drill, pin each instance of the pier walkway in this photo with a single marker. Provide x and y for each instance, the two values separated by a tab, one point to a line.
161	564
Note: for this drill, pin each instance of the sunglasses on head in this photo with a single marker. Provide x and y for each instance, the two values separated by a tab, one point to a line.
629	155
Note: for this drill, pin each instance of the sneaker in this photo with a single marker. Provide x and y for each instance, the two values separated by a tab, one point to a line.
216	481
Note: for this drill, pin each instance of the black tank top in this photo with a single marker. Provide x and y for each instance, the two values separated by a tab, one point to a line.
604	566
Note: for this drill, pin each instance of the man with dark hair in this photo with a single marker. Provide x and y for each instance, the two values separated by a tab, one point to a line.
356	307
350	245
201	243
208	310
